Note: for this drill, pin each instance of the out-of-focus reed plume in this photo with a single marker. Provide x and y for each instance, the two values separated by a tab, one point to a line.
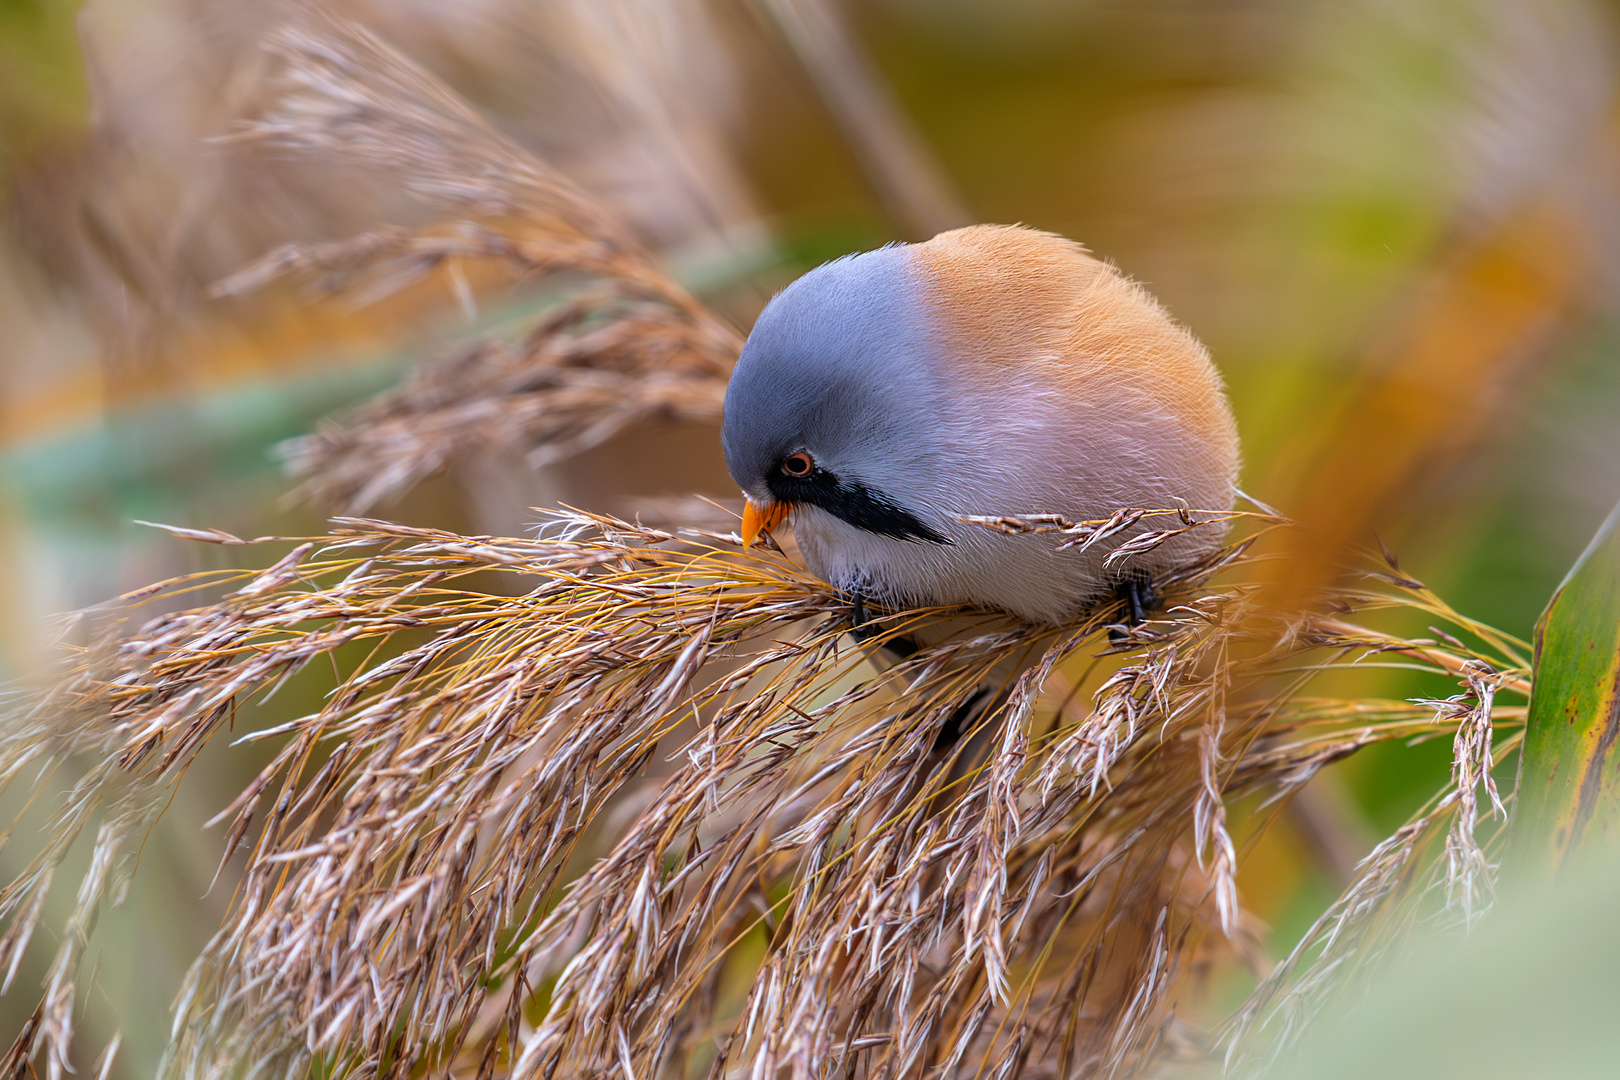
630	99
1501	169
632	344
818	886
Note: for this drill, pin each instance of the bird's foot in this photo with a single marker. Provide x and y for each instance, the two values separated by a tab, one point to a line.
862	628
1137	596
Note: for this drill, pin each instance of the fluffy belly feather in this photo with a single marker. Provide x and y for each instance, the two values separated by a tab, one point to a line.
1020	574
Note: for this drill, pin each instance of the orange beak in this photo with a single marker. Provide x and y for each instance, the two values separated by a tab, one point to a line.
757	520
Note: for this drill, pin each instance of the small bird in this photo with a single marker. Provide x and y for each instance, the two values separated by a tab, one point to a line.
993	370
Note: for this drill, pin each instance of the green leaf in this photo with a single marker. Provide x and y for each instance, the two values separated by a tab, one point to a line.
1569	773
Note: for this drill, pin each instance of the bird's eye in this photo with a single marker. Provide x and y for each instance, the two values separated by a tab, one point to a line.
798	464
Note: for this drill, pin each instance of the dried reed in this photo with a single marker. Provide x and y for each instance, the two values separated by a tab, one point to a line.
628	345
459	862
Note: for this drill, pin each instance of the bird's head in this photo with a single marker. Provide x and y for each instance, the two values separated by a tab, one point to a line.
830	403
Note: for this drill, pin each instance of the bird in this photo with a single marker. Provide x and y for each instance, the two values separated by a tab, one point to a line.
884	397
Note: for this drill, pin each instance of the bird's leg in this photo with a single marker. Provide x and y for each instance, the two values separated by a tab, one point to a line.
862	630
859	616
1147	594
1137	595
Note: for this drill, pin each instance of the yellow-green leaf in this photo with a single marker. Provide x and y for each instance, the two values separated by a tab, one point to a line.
1569	774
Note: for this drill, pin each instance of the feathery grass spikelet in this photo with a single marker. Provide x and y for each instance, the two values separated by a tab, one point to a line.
461	860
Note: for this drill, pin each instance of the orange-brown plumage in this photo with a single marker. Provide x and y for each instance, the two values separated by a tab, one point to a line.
1016	297
991	370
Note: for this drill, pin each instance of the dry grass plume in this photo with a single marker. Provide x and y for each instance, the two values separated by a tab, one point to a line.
459	861
628	344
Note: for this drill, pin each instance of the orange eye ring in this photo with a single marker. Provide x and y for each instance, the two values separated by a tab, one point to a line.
798	465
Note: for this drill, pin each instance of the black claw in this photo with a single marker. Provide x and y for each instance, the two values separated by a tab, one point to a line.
1138	597
1133	594
859	617
861	628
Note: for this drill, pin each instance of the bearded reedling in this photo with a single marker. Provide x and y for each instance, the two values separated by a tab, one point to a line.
993	370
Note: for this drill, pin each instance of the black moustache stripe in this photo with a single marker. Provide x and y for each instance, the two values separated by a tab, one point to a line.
868	510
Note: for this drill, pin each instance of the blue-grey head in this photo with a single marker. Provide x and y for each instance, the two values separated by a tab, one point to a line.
829	404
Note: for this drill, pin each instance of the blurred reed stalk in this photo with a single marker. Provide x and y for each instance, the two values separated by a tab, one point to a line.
910	183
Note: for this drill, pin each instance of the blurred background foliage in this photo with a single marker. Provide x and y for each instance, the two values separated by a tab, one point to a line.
1396	223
